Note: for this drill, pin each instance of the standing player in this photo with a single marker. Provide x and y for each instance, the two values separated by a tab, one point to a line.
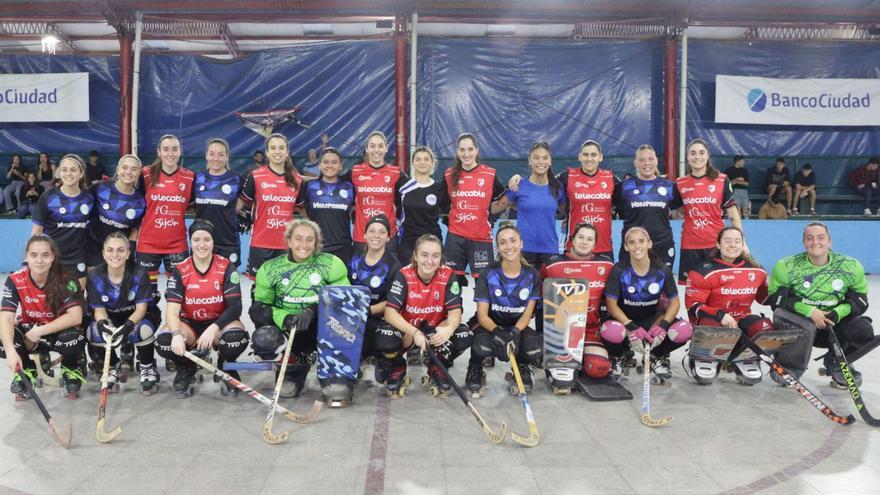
119	207
202	311
374	269
582	262
590	193
271	193
63	214
376	188
705	195
216	190
537	200
828	289
423	308
506	295
167	190
118	295
286	295
472	192
328	201
642	301
644	201
51	315
720	292
419	204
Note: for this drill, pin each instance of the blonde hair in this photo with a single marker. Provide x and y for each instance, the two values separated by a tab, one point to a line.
303	222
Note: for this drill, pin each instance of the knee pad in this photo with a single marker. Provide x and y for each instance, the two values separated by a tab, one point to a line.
268	342
261	314
754	324
680	331
531	346
461	339
859	330
94	336
481	344
613	331
596	363
144	333
70	343
389	341
232	343
163	344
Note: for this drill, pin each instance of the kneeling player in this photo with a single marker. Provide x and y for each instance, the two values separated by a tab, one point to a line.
423	308
51	315
118	295
720	293
582	262
286	296
506	295
202	310
824	290
642	300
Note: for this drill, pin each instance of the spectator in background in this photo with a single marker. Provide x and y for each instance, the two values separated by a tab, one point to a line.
739	179
28	196
310	165
772	210
804	185
259	159
94	169
325	143
779	181
15	176
864	180
45	171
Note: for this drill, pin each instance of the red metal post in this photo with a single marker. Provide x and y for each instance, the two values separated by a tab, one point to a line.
670	155
125	71
400	75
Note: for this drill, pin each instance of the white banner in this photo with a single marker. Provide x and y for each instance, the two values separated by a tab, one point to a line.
825	102
44	97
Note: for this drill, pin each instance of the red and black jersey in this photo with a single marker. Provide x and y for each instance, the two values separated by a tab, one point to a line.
275	204
163	229
470	202
704	200
205	296
376	191
417	301
590	199
717	288
20	290
596	270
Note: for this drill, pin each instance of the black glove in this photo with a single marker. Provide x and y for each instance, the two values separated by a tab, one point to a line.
302	321
427	329
106	328
500	338
245	220
832	315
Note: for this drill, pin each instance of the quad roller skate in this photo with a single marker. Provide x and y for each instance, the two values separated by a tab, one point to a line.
525	372
149	378
72	380
18	388
437	381
475	380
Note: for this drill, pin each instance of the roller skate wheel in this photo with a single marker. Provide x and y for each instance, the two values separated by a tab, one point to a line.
200	379
360	374
640	369
146	392
561	391
72	396
823	372
21	397
216	379
434	391
508	377
407	382
475	394
39	383
425	380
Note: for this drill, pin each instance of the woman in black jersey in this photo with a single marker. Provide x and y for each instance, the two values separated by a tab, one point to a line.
419	203
45	171
329	202
216	192
119	207
63	214
118	295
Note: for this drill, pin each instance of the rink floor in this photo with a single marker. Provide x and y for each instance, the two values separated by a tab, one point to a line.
724	438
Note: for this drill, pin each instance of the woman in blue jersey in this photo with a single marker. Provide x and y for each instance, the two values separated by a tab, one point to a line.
119	207
329	202
216	191
419	204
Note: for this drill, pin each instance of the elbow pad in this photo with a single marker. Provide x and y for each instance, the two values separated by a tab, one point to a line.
858	302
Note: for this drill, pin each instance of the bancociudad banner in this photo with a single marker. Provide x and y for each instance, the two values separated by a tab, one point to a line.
44	97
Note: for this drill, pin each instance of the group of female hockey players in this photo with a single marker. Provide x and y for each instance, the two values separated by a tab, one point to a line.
92	262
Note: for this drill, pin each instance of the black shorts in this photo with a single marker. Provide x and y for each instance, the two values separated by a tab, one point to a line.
461	252
258	256
538	260
233	254
690	260
198	327
94	255
343	252
75	269
151	261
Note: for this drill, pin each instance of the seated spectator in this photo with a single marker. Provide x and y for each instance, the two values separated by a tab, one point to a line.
15	176
45	171
804	185
28	196
94	169
259	160
773	210
779	181
739	179
310	165
864	180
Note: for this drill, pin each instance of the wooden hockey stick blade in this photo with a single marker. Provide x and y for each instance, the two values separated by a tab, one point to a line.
52	381
530	441
493	437
533	438
271	438
647	420
307	417
62	438
106	437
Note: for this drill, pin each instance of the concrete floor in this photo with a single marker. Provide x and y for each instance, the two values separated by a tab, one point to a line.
724	438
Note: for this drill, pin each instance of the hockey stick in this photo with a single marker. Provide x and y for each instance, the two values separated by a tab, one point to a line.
63	439
850	379
102	435
493	437
533	438
268	436
52	381
794	383
647	420
226	377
